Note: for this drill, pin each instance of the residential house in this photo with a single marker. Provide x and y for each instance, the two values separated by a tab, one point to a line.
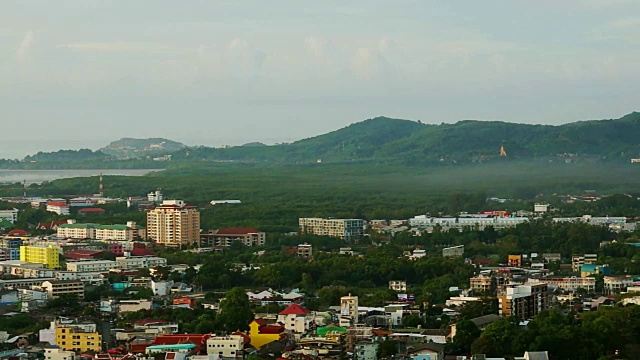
295	318
425	351
58	354
305	251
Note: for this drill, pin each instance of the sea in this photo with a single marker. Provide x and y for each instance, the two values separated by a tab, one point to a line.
40	176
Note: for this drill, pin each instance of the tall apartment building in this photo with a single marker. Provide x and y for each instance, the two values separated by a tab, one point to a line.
349	308
174	223
345	229
572	283
524	301
47	255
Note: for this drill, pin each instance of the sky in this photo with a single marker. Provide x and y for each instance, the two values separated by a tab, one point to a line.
81	73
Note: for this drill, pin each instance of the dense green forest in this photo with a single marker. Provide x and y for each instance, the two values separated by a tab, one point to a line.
413	143
391	141
274	198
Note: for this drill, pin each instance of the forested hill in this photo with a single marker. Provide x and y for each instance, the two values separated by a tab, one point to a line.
129	148
408	142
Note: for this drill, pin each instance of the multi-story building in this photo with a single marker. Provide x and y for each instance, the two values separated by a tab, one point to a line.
484	284
77	231
305	251
398	285
57	288
349	308
139	262
453	251
78	339
91	265
514	260
345	229
578	260
47	255
226	347
58	354
571	283
174	223
11	248
295	318
10	215
73	230
614	285
227	236
524	301
58	207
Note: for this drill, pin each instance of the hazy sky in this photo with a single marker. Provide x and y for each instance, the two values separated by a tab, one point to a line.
80	73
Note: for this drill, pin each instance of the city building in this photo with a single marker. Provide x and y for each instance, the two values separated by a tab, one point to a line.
139	262
58	354
305	251
295	318
479	221
227	236
586	259
11	248
57	288
614	285
58	207
345	229
349	308
594	220
524	301
174	223
225	347
10	215
73	230
571	283
453	251
91	265
47	255
398	285
514	260
78	338
541	208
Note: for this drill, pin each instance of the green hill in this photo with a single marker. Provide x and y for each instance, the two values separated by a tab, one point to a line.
402	141
129	148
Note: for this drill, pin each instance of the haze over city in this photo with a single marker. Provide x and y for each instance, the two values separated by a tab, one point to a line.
82	73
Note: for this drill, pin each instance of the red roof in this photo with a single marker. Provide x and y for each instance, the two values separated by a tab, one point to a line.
271	329
141	252
175	339
294	309
236	231
91	210
17	233
57	203
245	338
51	225
81	254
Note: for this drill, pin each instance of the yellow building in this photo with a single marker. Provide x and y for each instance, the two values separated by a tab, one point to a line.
174	224
71	338
261	334
47	255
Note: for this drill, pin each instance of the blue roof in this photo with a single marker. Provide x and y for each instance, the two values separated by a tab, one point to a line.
172	347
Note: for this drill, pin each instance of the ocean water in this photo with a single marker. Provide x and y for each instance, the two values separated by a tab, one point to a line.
39	176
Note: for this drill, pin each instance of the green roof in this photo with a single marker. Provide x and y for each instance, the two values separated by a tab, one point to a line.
4	224
324	330
114	227
79	226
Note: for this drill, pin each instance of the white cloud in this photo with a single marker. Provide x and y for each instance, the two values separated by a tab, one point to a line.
116	46
314	45
25	45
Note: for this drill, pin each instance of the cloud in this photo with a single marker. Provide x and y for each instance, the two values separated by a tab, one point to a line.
314	45
25	45
115	46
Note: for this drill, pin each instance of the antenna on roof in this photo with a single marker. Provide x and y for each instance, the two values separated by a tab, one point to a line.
101	189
